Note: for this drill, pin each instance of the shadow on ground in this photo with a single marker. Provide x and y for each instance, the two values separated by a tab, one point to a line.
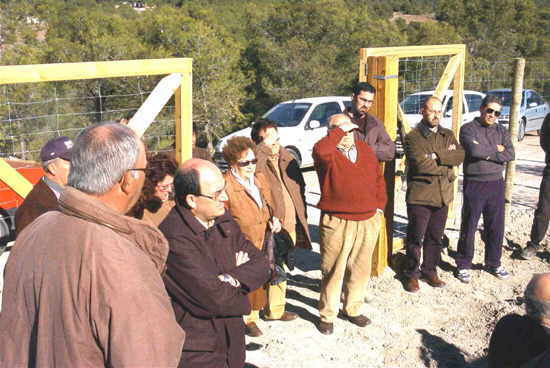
436	350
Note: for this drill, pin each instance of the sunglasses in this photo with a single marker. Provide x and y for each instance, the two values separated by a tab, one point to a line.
491	111
246	163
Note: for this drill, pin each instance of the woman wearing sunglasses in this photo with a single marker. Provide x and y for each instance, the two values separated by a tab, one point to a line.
250	204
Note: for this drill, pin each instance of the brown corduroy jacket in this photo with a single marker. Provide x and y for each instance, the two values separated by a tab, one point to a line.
83	288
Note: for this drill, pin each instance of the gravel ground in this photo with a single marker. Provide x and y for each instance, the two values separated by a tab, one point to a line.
448	327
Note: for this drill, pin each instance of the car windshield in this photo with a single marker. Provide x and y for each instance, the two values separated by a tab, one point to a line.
412	104
288	114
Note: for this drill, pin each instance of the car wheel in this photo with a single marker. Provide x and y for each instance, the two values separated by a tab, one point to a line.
295	154
521	130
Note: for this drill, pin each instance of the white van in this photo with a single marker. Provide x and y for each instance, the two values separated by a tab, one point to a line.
471	101
301	123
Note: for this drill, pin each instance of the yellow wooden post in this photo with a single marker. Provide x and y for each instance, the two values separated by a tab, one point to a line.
448	75
382	73
184	118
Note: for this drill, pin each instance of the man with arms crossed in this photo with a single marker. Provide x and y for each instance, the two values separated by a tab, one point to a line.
210	270
432	152
488	147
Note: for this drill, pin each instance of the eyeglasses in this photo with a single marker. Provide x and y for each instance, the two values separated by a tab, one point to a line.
491	111
246	163
216	196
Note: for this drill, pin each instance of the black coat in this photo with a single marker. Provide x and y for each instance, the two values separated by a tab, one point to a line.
209	310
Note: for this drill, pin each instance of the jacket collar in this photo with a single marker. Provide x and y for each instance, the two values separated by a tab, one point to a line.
221	222
149	239
427	132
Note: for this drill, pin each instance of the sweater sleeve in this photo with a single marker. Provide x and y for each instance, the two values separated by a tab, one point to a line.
381	194
545	135
471	145
326	146
508	154
385	148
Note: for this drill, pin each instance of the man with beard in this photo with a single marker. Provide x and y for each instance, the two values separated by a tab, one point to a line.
370	129
488	147
432	152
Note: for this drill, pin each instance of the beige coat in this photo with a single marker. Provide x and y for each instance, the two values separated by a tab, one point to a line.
252	220
83	288
293	180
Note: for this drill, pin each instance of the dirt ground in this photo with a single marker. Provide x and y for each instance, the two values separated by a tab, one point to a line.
447	328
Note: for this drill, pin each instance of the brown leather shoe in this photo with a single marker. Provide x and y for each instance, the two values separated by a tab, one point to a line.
287	316
434	281
326	328
252	330
411	285
359	320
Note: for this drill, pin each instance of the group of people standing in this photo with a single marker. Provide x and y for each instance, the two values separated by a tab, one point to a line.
104	273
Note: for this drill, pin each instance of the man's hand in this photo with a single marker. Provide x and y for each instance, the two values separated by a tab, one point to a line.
452	147
346	127
275	224
229	279
500	148
241	258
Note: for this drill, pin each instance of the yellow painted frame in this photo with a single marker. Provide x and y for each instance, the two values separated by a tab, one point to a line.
12	74
380	67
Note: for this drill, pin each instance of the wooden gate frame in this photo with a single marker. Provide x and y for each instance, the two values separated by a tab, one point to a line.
380	67
13	74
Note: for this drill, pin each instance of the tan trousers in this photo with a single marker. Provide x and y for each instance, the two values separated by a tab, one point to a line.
276	299
346	253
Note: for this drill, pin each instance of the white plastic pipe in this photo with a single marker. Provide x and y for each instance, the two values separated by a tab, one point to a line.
154	103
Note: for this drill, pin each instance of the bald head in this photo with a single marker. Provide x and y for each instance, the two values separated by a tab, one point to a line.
338	120
537	298
431	111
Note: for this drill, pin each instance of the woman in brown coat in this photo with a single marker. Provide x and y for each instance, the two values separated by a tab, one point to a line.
250	204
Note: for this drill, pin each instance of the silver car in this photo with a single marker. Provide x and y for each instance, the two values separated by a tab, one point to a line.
533	110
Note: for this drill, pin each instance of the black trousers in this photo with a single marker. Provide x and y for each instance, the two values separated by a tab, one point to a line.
485	198
542	213
424	233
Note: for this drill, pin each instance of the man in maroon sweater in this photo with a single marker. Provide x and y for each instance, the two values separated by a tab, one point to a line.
353	195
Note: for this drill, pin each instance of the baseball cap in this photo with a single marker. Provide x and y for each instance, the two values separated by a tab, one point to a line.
60	147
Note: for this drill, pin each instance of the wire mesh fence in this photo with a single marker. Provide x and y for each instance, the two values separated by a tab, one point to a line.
31	114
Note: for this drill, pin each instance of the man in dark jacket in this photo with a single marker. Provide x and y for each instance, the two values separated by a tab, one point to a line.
432	153
371	130
488	148
542	213
287	186
210	269
55	157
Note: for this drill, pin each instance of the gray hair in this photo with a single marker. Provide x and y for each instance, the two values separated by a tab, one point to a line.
102	153
45	164
535	307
